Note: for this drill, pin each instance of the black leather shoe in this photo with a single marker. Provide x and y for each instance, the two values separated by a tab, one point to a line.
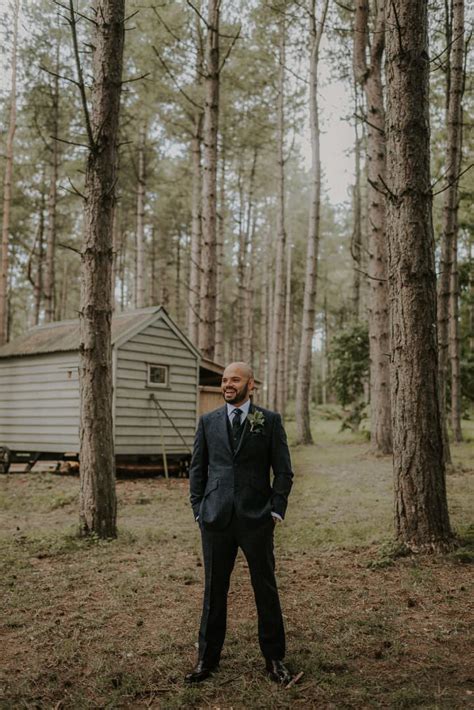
278	671
202	671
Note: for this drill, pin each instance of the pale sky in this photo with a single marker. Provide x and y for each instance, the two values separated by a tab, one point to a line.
337	135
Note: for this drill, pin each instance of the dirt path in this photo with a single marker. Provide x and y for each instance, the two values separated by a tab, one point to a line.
88	625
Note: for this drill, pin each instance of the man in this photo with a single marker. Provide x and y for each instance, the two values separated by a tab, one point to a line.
237	506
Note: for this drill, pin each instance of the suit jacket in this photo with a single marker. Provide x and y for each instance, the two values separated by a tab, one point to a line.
222	480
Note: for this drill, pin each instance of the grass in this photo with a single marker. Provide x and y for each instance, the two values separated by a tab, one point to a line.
87	623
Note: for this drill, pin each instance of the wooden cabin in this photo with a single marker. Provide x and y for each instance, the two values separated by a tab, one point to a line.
156	372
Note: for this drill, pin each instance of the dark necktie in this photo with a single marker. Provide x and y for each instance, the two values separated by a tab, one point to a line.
236	426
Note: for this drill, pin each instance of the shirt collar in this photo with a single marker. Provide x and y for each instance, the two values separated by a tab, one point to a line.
244	408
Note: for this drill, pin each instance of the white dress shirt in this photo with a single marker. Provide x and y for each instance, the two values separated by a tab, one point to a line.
244	408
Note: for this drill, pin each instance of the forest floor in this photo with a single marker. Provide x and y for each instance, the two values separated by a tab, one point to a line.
90	624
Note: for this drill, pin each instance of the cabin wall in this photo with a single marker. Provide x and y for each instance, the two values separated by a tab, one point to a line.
137	426
39	403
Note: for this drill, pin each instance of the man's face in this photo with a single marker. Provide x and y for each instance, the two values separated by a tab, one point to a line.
236	385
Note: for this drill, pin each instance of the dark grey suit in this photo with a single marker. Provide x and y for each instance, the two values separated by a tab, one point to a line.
233	497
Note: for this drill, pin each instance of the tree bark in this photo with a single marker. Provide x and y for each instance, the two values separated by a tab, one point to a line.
207	325
356	239
140	286
196	232
277	311
37	280
451	205
52	202
471	299
97	465
303	381
7	187
421	512
219	350
245	285
369	77
288	323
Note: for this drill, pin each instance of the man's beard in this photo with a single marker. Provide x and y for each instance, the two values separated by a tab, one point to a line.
239	395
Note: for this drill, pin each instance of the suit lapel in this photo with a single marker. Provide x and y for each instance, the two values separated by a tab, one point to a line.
246	430
222	428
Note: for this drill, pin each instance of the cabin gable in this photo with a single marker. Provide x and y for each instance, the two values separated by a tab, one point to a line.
139	423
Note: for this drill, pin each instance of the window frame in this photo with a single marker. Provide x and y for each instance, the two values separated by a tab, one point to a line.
158	385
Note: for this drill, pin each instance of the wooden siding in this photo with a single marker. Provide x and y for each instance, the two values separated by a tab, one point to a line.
210	398
39	402
136	420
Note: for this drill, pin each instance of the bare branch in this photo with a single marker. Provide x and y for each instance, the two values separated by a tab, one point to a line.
69	246
174	80
198	13
80	78
76	191
136	78
448	46
85	17
372	125
454	181
230	48
58	76
344	7
168	29
63	140
373	278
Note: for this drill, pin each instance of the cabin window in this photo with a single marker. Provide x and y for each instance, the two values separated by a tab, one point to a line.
157	375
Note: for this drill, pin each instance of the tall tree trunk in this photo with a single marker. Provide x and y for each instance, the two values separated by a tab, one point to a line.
219	350
123	255
97	464
421	511
7	187
246	288
63	302
277	311
177	289
196	232
116	242
207	324
356	239
249	291
471	299
451	204
52	201
370	78
140	293
288	324
241	263
263	342
37	281
303	381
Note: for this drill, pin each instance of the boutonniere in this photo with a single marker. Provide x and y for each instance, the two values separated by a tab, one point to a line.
256	421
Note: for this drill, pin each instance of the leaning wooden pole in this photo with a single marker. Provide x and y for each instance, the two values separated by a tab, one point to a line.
98	500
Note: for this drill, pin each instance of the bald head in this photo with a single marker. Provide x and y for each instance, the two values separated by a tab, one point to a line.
242	367
237	383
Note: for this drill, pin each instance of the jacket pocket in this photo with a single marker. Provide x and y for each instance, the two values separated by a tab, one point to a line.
211	486
259	483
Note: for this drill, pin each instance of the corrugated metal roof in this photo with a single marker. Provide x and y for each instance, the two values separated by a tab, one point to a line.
63	336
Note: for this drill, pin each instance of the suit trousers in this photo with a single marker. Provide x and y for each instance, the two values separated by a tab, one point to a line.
220	550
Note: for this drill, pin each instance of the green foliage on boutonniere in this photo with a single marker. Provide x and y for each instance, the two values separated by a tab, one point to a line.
256	421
